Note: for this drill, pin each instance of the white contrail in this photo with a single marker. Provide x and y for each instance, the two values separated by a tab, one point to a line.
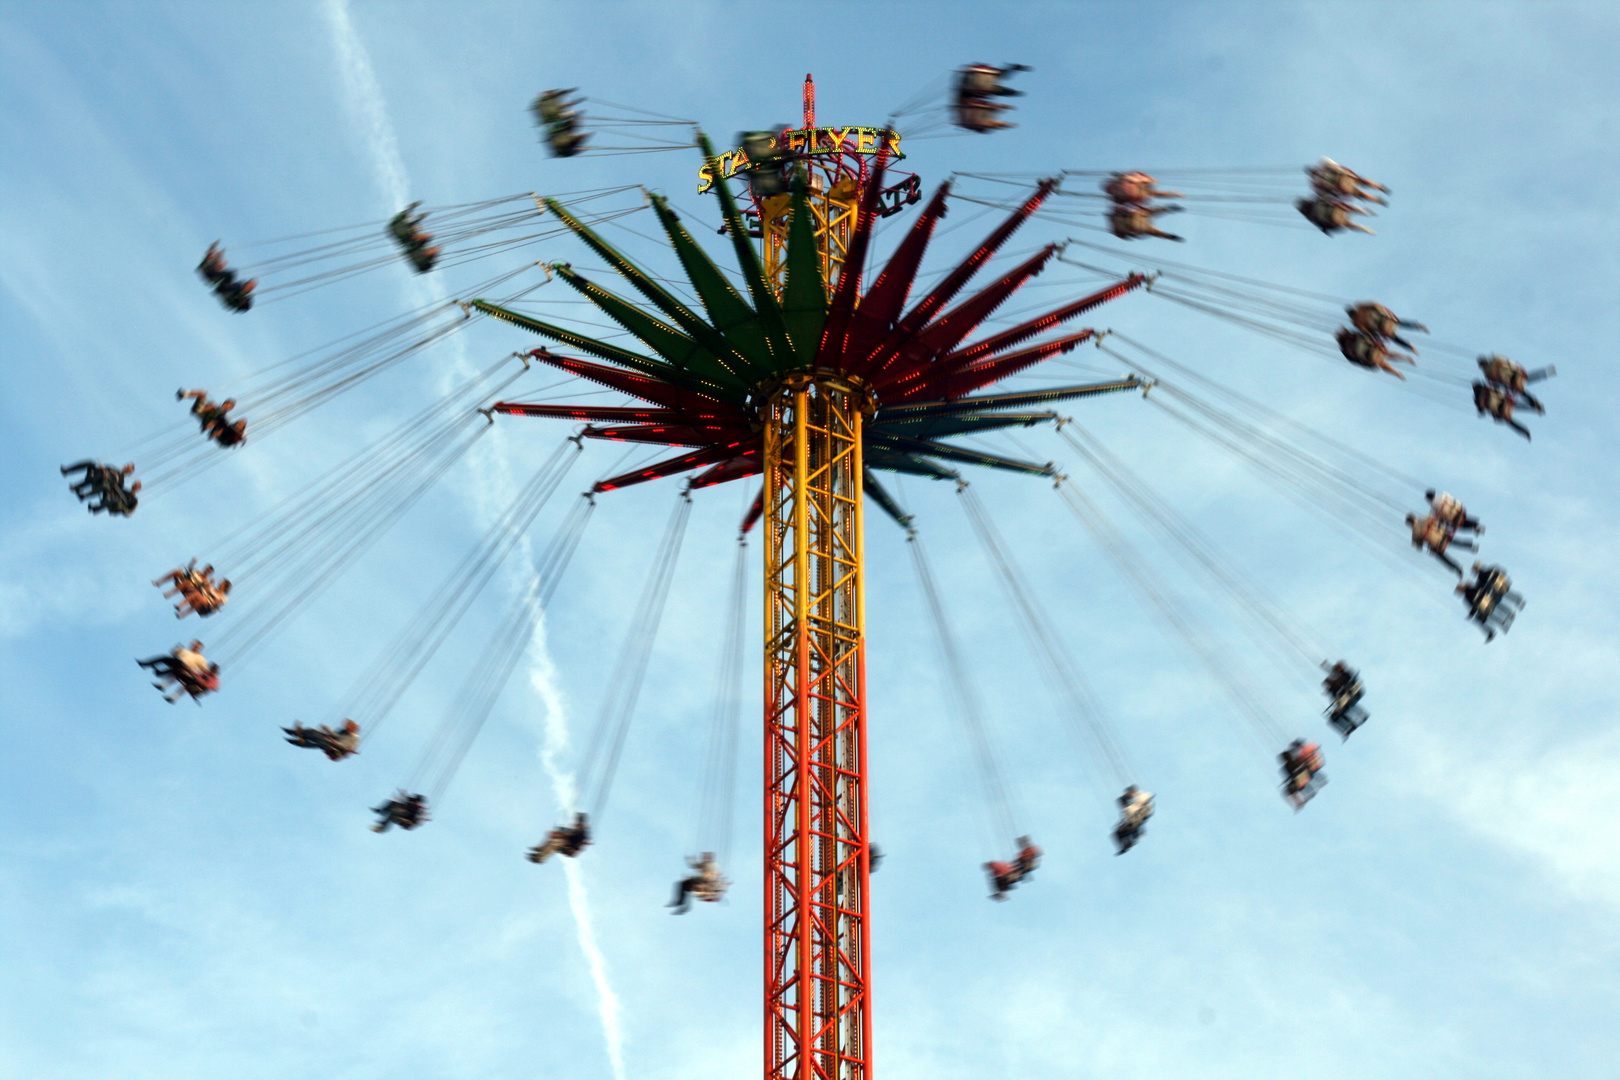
541	678
370	114
365	101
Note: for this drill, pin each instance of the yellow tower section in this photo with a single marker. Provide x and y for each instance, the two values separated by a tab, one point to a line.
817	862
817	949
837	161
834	200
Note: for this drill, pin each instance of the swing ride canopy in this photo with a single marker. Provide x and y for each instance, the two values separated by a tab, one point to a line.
710	374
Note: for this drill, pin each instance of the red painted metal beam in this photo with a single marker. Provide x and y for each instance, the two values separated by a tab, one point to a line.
599	413
918	317
830	351
671	466
879	309
942	293
962	383
979	350
915	356
755	511
744	465
667	434
640	386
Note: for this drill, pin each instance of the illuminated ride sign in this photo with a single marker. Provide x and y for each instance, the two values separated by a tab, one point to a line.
808	142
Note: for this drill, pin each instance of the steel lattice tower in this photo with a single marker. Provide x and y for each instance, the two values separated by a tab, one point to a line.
815	384
816	856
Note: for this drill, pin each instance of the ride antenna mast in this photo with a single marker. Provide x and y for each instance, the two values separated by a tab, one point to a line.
815	384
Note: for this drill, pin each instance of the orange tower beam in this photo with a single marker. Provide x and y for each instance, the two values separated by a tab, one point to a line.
817	947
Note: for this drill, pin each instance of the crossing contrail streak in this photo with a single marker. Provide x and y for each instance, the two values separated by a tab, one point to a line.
542	679
369	111
365	101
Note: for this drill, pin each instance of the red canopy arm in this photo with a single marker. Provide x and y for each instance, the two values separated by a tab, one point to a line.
947	331
948	386
667	434
630	383
979	350
671	466
599	413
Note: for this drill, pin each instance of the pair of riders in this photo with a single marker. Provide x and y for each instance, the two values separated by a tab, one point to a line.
405	809
767	159
1345	691
1135	807
102	487
560	117
1504	389
1302	772
406	228
1005	876
1437	530
1492	603
705	882
1131	213
566	840
235	295
1365	342
336	745
214	417
184	669
197	590
977	87
1336	195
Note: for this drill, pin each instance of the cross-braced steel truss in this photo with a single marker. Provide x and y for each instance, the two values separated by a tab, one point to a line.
816	863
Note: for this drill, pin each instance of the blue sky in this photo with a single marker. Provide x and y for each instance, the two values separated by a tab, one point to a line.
185	897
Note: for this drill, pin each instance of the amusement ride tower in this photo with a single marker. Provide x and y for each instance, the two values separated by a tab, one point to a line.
815	385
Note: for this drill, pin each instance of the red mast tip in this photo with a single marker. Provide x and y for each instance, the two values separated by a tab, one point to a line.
809	101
